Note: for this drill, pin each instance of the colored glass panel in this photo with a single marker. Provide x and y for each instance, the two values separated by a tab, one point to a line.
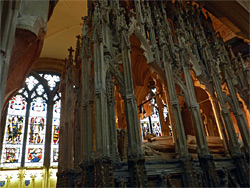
31	81
14	129
13	142
36	132
155	121
17	106
55	132
35	155
55	155
11	155
15	126
52	80
145	127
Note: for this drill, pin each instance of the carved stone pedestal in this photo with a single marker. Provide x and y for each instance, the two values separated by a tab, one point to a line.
104	172
138	176
66	178
97	173
78	177
189	176
88	174
209	171
242	169
247	157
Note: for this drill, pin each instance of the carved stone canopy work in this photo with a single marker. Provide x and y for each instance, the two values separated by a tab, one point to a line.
134	52
196	76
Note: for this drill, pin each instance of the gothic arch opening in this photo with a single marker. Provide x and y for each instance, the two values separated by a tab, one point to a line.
30	131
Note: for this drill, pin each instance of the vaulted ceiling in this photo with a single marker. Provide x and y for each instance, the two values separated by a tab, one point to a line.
231	19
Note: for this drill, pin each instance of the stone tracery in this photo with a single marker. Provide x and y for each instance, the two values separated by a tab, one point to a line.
183	50
179	45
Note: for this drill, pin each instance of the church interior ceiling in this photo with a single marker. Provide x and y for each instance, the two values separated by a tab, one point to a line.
126	93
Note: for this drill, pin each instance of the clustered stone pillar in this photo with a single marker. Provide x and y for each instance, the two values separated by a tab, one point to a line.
87	110
173	101
111	116
9	12
239	115
65	169
135	158
214	71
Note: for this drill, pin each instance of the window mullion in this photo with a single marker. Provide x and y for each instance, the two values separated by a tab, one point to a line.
48	133
25	131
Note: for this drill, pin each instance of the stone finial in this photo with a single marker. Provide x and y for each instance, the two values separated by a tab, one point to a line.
71	50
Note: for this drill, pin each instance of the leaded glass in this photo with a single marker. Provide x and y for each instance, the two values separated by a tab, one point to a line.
145	127
35	155
156	127
38	107
13	138
11	154
40	90
17	106
31	81
151	124
15	125
56	97
45	96
25	94
55	155
21	90
52	80
36	132
35	96
55	132
155	120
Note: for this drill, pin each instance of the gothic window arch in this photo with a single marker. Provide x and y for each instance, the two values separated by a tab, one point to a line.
150	121
31	134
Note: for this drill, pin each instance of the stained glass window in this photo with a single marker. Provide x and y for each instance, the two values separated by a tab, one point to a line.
13	138
26	123
52	80
151	124
55	131
31	81
36	134
145	127
156	127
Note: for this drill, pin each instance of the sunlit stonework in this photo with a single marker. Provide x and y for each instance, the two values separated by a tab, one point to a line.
155	93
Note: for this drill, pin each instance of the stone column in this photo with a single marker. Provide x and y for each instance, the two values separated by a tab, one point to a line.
135	158
205	158
9	12
87	88
65	171
237	156
77	110
168	51
87	101
195	110
61	130
139	15
48	133
102	147
219	122
238	113
111	117
101	41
